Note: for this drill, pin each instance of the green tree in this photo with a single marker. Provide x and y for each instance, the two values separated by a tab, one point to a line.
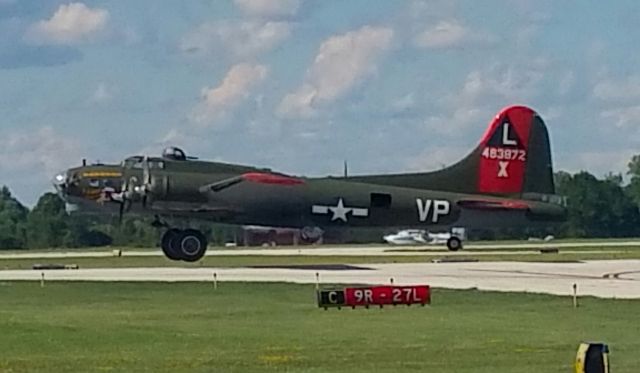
633	188
13	218
47	222
85	230
135	231
597	208
634	166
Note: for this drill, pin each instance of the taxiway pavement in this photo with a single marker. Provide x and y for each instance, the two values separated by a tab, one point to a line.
606	279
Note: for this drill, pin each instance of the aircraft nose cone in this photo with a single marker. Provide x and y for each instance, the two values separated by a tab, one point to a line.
61	183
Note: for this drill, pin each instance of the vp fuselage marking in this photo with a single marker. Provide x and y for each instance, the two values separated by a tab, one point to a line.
432	210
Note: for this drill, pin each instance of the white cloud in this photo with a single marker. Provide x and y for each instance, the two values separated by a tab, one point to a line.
30	158
509	82
240	39
42	152
451	34
623	117
234	88
71	24
444	34
341	62
268	8
624	90
102	94
457	119
435	158
566	83
598	162
484	92
404	103
619	97
184	138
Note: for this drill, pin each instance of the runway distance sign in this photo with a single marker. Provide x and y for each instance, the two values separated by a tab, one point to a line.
374	296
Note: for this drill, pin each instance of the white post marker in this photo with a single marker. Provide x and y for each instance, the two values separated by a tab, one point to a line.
317	280
215	281
575	295
42	279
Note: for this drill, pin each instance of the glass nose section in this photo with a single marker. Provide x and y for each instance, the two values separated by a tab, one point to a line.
60	182
60	178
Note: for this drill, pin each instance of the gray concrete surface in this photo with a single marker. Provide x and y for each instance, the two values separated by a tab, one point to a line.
607	279
363	250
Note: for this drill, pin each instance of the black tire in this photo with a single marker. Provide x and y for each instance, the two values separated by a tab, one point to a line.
168	244
191	245
454	244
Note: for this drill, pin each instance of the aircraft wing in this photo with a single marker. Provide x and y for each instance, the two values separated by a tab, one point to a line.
189	207
251	177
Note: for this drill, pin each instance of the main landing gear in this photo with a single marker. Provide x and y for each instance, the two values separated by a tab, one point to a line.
189	245
454	243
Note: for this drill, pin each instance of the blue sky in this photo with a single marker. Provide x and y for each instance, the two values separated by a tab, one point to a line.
301	85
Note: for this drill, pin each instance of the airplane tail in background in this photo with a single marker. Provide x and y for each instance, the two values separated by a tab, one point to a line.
513	159
515	155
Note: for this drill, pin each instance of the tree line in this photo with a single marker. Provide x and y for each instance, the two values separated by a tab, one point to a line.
48	225
597	207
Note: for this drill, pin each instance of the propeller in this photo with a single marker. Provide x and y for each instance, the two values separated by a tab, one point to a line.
124	199
144	189
132	193
121	212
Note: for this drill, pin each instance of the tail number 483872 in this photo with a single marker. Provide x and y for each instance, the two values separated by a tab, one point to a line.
504	154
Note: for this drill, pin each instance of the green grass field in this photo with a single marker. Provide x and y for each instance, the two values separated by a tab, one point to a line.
190	327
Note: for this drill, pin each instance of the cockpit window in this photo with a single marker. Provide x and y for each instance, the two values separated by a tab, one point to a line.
131	162
138	163
156	165
174	153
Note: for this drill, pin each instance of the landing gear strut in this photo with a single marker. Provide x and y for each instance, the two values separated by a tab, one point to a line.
189	245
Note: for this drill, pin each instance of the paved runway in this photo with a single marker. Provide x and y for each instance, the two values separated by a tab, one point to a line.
607	279
519	249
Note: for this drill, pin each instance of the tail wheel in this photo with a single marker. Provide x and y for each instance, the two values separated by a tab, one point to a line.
454	244
169	244
191	245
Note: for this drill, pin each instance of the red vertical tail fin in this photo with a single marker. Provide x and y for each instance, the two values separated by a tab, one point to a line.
504	152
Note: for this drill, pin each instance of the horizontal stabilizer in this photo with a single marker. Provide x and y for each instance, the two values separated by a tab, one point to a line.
478	204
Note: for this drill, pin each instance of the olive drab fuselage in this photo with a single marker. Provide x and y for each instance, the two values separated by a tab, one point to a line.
507	180
180	188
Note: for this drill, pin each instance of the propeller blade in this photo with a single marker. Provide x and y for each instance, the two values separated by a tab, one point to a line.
121	212
146	173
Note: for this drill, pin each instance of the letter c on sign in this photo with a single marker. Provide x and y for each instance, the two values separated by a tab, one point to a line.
333	297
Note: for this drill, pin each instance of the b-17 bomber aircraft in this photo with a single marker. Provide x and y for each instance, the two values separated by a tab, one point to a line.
507	180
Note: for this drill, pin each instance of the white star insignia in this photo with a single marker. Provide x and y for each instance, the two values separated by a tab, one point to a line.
339	212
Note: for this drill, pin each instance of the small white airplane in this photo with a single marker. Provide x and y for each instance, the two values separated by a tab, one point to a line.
417	237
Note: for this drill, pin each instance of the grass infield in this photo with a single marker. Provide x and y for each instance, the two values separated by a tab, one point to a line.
249	327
